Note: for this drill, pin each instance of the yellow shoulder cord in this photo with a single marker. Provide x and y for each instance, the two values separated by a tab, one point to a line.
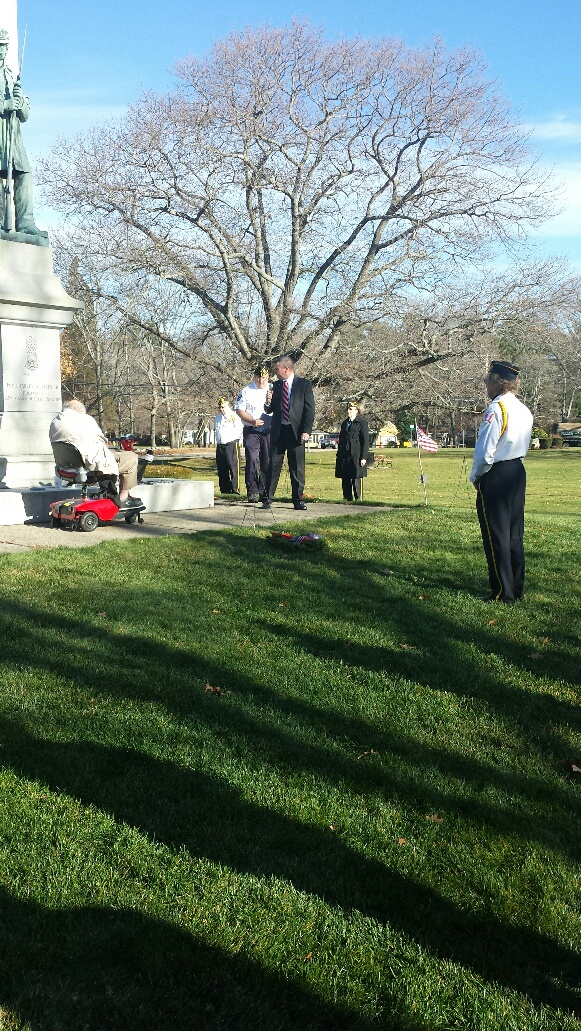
504	417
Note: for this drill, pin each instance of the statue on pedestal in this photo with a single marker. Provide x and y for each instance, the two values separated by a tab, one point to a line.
14	166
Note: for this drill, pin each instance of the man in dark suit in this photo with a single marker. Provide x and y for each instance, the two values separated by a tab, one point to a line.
293	413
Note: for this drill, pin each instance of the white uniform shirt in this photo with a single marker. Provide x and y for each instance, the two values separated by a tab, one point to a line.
227	428
251	399
493	445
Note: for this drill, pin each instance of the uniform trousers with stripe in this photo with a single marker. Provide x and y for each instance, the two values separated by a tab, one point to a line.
500	504
227	466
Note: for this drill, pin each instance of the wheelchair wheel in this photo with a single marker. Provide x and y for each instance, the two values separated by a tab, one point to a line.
55	523
131	518
88	522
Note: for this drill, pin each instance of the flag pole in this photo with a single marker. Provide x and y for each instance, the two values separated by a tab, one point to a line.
422	477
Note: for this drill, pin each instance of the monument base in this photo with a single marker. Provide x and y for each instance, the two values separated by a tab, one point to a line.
34	308
32	506
24	473
34	239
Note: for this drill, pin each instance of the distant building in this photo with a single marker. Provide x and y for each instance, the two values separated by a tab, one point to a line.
387	436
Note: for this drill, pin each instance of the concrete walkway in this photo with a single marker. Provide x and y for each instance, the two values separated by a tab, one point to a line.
223	515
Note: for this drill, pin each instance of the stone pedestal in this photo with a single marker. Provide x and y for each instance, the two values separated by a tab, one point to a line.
34	308
33	506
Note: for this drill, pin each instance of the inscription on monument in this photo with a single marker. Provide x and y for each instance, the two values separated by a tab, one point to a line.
31	354
29	370
32	392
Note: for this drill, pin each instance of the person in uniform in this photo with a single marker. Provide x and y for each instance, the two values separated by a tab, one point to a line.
499	478
15	108
293	413
249	406
352	451
228	431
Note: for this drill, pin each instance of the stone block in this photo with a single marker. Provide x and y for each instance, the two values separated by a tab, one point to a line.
32	506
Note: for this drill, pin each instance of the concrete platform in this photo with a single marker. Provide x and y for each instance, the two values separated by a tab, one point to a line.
32	506
222	515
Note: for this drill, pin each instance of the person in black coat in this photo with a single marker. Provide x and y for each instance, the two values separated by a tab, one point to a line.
293	413
352	451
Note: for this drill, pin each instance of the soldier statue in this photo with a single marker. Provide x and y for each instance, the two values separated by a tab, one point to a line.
14	166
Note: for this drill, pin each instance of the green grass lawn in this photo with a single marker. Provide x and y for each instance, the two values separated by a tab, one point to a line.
244	790
554	478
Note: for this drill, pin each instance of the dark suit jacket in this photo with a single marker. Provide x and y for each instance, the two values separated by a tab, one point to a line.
353	446
302	408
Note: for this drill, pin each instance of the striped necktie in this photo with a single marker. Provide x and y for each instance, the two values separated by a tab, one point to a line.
285	401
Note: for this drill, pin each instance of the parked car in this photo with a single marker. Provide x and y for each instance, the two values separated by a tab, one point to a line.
331	441
571	438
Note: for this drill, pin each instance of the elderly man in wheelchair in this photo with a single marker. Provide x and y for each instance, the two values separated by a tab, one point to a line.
82	456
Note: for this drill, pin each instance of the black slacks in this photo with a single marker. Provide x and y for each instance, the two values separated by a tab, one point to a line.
227	465
500	504
294	449
257	453
351	488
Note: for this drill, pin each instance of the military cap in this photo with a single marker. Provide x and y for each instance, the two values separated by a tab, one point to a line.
261	371
506	370
4	37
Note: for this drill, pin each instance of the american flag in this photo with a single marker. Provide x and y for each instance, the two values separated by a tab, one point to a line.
424	441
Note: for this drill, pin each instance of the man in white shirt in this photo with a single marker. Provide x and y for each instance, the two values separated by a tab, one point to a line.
249	407
228	431
74	434
499	478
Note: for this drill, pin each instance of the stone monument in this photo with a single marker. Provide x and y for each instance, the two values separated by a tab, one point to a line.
34	307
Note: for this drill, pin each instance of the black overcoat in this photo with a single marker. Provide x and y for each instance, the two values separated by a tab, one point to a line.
353	446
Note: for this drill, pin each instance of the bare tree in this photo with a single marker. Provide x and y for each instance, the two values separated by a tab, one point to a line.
291	188
437	354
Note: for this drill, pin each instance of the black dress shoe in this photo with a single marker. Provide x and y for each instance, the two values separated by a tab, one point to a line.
267	503
300	506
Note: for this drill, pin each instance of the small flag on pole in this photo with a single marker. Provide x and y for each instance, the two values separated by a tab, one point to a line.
424	441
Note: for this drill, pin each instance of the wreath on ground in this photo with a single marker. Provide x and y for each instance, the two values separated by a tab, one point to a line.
297	542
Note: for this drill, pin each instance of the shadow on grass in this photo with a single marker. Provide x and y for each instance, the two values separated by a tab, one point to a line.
249	721
181	807
103	969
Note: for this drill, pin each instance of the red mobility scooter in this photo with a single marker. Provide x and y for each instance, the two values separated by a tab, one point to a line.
101	506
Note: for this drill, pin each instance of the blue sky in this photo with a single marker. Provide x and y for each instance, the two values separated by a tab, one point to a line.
85	62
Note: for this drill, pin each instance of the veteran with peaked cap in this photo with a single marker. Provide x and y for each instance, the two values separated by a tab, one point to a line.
352	452
15	109
249	406
499	477
228	433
